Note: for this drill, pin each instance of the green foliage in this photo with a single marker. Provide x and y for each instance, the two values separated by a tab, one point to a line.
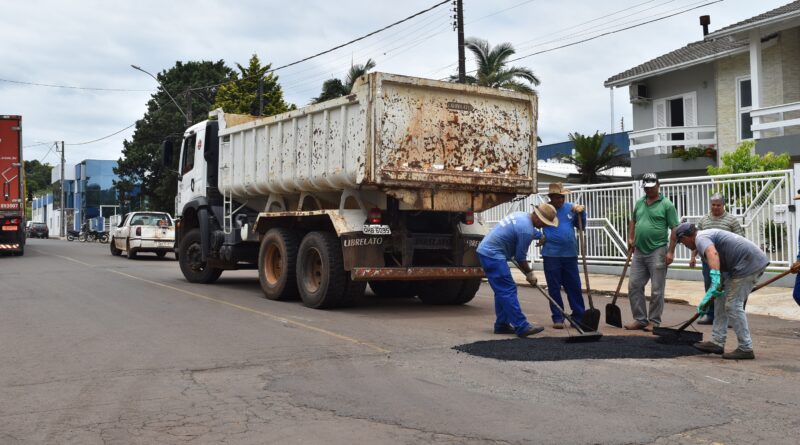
687	154
743	160
141	159
492	70
333	88
37	177
241	95
591	157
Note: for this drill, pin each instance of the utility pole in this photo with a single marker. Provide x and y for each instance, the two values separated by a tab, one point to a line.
62	233
462	64
260	96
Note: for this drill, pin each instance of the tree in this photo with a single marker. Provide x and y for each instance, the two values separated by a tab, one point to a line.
492	70
141	161
37	177
333	88
743	160
241	95
592	158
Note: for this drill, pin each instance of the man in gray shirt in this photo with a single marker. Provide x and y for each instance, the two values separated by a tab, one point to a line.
743	263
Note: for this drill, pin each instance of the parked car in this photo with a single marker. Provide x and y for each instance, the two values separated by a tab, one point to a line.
143	232
38	230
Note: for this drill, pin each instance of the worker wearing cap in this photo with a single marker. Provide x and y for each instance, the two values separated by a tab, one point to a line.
717	218
648	234
510	240
736	264
560	255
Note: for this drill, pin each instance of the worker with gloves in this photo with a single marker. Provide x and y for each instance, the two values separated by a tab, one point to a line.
560	255
735	264
510	240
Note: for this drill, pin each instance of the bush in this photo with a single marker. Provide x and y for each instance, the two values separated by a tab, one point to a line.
743	160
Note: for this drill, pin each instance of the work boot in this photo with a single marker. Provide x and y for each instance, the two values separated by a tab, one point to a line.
558	325
739	354
532	329
505	329
635	326
705	320
709	347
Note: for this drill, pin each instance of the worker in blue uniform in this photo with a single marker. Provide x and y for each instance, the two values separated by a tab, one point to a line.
510	240
560	255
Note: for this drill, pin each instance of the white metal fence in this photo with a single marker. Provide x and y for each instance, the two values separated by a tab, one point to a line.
760	201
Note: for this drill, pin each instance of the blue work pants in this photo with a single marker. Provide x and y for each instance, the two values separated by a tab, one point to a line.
563	272
506	303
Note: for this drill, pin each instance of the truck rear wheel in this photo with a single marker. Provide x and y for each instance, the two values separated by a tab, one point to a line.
393	289
277	258
321	278
445	292
191	260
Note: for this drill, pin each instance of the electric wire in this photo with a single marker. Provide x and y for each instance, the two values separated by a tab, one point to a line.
73	87
104	137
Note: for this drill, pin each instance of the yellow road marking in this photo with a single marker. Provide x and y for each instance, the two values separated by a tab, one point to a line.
262	313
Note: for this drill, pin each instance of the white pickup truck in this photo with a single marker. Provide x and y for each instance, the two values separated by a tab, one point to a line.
143	232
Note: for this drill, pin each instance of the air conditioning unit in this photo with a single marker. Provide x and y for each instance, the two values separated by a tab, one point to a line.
638	93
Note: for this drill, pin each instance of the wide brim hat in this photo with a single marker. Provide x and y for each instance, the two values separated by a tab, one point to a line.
557	188
547	213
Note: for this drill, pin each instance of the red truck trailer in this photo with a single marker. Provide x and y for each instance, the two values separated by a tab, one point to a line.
12	209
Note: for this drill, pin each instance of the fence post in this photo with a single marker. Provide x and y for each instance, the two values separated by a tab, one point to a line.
795	180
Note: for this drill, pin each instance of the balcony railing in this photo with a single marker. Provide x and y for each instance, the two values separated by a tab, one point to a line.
657	141
774	120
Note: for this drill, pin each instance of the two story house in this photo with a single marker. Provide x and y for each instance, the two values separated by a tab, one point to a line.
741	82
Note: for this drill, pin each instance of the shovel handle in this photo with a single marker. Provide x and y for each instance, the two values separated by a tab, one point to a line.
772	280
622	277
583	255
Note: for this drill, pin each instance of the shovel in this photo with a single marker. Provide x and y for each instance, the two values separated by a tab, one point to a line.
613	315
584	336
591	317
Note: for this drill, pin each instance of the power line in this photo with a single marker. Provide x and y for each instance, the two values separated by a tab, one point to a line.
72	87
104	137
53	144
36	144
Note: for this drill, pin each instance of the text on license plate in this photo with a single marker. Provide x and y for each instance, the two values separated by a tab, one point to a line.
9	228
377	229
164	244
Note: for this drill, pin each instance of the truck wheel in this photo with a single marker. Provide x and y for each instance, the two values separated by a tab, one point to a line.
321	278
442	292
194	269
277	258
393	289
114	250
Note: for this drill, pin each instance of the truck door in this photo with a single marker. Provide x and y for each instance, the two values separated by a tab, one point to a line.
192	169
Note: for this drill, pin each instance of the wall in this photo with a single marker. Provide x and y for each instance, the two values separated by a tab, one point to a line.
790	57
699	79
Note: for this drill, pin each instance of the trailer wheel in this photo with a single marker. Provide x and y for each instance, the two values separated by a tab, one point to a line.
321	278
444	292
277	258
393	289
114	250
192	265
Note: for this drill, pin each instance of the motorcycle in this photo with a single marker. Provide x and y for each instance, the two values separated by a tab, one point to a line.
72	235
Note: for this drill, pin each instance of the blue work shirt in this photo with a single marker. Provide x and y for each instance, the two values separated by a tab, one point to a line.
560	241
510	238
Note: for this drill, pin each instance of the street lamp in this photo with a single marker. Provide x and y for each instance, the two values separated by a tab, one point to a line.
188	121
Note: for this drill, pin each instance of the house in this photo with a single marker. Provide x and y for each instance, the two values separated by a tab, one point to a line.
552	151
741	82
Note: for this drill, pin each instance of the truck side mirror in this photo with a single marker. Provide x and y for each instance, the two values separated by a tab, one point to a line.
166	153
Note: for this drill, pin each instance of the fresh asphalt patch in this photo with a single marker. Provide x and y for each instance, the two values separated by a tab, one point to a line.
553	349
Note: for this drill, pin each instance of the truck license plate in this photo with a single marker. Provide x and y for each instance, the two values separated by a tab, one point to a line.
377	229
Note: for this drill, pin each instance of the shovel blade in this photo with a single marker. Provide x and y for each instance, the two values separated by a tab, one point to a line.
591	319
613	315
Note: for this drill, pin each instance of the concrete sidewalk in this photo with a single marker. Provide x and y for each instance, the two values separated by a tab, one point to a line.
772	300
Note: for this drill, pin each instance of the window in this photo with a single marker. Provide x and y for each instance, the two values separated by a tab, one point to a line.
744	104
187	161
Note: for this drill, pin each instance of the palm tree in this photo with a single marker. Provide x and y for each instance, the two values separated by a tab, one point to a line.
591	157
333	88
492	70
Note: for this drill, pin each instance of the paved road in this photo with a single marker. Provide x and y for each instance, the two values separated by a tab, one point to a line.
99	349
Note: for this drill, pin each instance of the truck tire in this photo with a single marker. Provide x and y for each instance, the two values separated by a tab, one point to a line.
393	289
447	292
192	265
114	250
277	264
321	278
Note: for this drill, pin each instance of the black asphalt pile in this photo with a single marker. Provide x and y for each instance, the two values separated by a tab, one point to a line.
550	349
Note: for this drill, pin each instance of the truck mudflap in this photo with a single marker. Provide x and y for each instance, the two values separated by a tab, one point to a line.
414	273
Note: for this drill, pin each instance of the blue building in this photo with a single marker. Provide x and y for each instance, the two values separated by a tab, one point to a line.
551	151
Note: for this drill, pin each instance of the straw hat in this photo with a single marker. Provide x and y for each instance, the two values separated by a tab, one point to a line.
557	188
547	214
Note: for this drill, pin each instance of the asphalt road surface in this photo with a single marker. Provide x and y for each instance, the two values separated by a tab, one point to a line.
97	349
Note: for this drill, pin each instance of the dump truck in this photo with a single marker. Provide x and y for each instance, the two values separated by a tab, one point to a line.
12	209
381	186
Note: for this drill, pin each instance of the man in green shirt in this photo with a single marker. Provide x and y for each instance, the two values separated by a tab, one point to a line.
648	235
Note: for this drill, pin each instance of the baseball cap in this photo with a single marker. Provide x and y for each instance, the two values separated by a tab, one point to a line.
684	229
649	180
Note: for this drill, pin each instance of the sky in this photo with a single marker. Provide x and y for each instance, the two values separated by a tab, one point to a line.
92	44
